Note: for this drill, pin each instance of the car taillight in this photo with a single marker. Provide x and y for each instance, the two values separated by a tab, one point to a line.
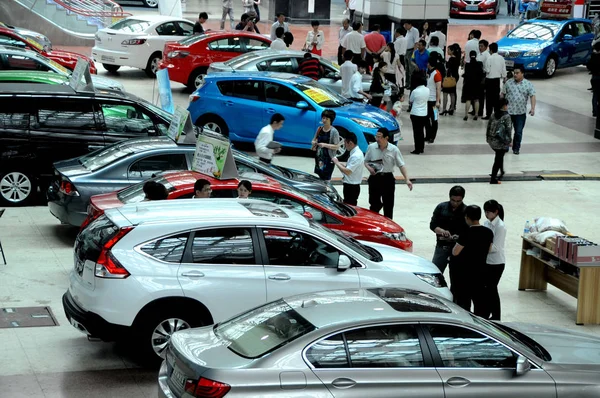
133	42
93	214
194	97
206	388
107	266
178	54
68	188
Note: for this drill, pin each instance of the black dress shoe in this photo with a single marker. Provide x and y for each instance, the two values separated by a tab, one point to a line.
415	152
450	113
465	118
486	118
494	181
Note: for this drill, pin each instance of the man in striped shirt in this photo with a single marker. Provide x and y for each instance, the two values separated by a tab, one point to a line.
311	67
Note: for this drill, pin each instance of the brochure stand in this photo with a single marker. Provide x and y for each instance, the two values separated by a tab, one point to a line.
181	129
213	156
82	69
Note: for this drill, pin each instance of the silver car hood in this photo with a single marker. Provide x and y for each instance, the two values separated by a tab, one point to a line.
401	260
567	347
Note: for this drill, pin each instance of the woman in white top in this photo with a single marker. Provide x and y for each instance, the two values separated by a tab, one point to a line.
494	213
314	39
418	112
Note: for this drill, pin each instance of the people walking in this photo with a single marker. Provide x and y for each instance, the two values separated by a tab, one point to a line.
355	42
325	143
496	260
351	6
228	10
279	23
518	91
451	79
375	44
352	170
257	10
448	223
495	73
510	7
344	30
472	85
381	159
593	66
434	84
418	101
412	38
314	39
198	26
498	136
468	263
264	140
248	5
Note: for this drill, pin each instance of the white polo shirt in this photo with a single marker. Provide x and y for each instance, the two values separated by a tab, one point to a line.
356	164
472	45
354	42
418	98
441	36
496	67
278	44
347	71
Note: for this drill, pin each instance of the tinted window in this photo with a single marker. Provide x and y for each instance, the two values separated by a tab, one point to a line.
385	347
535	31
168	249
582	28
247	89
130	25
281	95
186	28
226	87
465	348
145	168
328	353
293	248
223	246
13	118
253	44
66	114
276	65
167	29
231	44
125	118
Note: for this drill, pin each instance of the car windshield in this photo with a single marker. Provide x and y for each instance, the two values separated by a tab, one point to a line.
135	193
240	156
191	39
535	31
365	251
263	329
324	201
242	59
322	95
130	25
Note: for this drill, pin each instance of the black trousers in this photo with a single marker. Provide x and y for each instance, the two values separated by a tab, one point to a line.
382	187
492	95
460	285
481	99
351	193
356	58
490	303
432	123
498	163
419	124
340	55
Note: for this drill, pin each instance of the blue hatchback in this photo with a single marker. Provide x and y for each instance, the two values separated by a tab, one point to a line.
238	105
544	45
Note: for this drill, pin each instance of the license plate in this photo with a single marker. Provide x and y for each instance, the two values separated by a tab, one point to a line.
472	8
509	64
178	378
106	58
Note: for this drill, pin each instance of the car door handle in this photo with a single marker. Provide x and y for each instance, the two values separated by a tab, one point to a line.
458	382
280	277
94	147
228	103
343	382
193	274
270	110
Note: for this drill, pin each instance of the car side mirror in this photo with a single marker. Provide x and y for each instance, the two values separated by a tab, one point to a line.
567	37
523	366
307	214
344	263
302	105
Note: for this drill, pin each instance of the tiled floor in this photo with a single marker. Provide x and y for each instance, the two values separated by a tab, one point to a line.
60	362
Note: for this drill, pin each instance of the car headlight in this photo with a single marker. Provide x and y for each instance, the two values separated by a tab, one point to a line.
435	280
400	236
533	53
365	123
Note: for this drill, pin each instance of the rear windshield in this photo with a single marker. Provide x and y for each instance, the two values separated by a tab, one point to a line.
131	25
264	329
191	40
102	157
90	241
135	193
242	59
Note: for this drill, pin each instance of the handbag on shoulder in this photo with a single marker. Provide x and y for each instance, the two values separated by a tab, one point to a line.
449	82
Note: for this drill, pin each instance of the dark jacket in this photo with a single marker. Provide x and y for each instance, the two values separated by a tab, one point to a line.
450	220
198	28
593	64
499	129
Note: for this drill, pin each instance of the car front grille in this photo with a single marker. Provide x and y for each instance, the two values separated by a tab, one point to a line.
473	2
510	54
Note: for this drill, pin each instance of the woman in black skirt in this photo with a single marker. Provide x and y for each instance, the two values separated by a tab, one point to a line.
472	85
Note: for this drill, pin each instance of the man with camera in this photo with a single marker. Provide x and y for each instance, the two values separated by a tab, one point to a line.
248	23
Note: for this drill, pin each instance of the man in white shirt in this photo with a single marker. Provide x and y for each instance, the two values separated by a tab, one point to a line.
482	56
278	44
279	23
347	70
472	44
355	42
434	47
412	38
419	98
265	137
400	44
351	6
495	71
344	30
440	35
356	90
352	170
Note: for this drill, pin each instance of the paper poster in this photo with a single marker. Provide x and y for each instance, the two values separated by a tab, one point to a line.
311	6
317	95
164	90
59	66
557	9
82	70
180	124
213	157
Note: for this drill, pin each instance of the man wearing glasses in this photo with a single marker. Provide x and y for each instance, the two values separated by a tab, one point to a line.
202	189
448	222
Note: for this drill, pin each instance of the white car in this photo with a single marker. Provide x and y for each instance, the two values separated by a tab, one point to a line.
153	268
138	41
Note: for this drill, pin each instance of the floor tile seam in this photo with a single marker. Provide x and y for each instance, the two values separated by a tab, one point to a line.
31	368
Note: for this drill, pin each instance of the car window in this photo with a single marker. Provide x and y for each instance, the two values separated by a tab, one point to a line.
328	353
7	40
581	28
223	246
168	29
464	348
65	114
247	89
276	65
169	249
186	28
14	115
125	118
292	248
290	203
588	28
22	62
231	44
130	25
243	168
226	87
535	31
281	95
147	167
254	44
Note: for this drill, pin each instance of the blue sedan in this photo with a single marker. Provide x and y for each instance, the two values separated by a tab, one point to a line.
541	45
239	104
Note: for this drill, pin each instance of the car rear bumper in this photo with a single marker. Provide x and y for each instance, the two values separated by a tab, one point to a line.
176	73
163	388
69	210
89	323
120	58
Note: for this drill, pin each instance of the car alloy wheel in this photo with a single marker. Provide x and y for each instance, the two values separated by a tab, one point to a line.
151	3
214	127
550	66
199	80
342	149
15	187
163	332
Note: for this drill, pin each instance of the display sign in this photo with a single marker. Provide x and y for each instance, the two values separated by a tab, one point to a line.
311	6
557	9
164	90
82	70
213	156
180	124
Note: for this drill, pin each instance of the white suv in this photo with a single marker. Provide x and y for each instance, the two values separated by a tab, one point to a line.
149	269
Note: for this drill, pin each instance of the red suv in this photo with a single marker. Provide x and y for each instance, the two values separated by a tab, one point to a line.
67	59
356	222
483	8
188	60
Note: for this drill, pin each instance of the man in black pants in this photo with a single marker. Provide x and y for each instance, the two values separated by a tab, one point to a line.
381	159
351	169
495	70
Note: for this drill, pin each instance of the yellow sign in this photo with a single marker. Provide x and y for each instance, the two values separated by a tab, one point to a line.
34	44
317	95
59	67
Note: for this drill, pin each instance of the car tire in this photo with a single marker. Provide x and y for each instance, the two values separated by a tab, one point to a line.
152	65
111	68
17	188
196	78
150	3
214	123
550	67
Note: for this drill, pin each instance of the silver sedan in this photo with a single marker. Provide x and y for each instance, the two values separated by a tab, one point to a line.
284	61
383	342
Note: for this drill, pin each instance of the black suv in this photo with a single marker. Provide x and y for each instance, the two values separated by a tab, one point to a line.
41	124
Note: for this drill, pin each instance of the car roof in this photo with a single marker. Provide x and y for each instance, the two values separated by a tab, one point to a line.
558	21
213	210
333	307
273	76
34	75
9	89
156	18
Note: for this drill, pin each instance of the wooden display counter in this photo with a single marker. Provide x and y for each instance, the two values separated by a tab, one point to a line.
581	282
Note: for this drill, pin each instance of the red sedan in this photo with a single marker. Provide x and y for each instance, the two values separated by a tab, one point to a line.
188	60
475	8
359	223
67	59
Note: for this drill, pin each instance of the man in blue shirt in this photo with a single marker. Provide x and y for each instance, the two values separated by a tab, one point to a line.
421	56
532	8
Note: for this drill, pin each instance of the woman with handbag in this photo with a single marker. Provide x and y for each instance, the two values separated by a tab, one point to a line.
314	39
451	79
325	143
379	84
